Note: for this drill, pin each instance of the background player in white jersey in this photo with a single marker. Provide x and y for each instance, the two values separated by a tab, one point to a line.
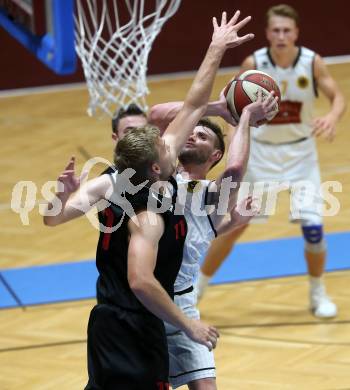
284	150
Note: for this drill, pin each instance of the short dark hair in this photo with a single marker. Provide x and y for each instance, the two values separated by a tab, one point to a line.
131	110
216	129
284	10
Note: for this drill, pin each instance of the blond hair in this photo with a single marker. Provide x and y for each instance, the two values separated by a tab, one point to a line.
138	150
282	10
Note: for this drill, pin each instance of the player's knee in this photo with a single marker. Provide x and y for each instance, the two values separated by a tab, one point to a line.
203	384
314	238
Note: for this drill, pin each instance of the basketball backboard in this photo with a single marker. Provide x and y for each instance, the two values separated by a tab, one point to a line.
45	28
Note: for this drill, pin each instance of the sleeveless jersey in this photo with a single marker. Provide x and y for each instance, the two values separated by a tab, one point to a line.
112	250
298	91
200	230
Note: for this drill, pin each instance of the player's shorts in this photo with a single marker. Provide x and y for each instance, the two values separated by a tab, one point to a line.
293	167
188	360
126	350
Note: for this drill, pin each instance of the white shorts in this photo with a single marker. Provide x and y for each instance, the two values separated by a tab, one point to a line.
188	360
292	167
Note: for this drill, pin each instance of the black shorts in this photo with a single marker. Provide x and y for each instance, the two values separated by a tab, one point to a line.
126	350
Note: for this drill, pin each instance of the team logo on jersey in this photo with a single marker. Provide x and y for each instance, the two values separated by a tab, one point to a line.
191	186
303	82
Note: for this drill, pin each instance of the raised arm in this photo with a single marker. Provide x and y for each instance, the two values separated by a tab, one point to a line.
74	200
224	37
162	114
325	126
238	154
142	256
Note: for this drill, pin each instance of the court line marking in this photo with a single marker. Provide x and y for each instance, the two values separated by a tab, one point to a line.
272	277
279	340
84	152
283	324
11	292
332	60
71	342
47	345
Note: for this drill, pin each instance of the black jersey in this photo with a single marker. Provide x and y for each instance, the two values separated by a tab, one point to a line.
112	250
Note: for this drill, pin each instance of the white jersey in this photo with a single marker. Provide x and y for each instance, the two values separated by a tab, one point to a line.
298	91
200	230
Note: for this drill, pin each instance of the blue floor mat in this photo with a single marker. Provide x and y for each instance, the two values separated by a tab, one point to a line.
278	258
249	261
6	295
52	283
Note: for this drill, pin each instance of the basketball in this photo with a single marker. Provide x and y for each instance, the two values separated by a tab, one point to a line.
243	90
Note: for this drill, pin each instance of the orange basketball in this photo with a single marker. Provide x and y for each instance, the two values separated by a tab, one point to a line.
243	90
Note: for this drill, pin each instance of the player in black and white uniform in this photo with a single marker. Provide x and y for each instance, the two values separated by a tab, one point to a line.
189	362
143	237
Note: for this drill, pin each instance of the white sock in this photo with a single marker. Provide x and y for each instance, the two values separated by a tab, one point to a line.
203	279
316	282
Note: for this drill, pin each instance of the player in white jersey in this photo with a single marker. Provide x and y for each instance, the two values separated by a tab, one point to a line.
190	363
284	150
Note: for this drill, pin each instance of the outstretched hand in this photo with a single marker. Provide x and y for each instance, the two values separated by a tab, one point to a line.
226	34
245	210
324	127
68	178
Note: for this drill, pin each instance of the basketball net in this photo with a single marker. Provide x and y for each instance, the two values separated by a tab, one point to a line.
113	40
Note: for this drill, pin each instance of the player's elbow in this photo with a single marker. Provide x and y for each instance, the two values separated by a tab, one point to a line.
235	173
138	283
154	114
49	221
157	116
197	109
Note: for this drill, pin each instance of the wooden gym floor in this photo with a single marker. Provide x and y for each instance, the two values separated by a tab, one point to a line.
268	338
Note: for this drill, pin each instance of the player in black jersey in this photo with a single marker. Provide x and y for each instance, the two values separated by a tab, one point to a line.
120	325
125	337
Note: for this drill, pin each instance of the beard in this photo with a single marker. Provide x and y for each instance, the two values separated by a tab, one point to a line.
192	156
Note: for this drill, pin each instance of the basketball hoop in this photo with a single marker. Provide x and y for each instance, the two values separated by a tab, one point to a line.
113	40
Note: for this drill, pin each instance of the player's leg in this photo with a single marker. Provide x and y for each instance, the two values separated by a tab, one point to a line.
307	205
126	350
203	384
315	255
190	363
217	253
315	252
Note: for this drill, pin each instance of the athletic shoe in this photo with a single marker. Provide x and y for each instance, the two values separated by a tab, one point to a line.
320	303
